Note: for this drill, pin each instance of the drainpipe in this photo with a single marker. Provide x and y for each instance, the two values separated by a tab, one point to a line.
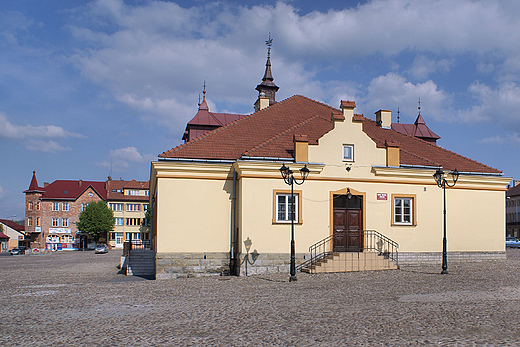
233	251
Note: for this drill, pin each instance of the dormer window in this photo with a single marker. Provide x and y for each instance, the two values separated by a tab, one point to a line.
348	152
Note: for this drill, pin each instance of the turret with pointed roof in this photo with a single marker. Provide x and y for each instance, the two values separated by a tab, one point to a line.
268	87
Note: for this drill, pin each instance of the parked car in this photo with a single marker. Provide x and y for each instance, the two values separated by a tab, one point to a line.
512	242
17	251
101	248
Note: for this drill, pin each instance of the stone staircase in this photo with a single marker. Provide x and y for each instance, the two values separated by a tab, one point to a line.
351	261
141	262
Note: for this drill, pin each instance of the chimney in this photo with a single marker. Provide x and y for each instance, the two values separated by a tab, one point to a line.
392	153
301	148
80	182
262	102
384	119
348	110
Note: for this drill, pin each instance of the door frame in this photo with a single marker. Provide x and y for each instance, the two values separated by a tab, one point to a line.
345	192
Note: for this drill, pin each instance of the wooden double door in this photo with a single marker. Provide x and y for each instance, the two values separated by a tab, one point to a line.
347	223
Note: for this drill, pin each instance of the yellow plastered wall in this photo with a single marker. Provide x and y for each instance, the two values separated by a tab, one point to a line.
193	215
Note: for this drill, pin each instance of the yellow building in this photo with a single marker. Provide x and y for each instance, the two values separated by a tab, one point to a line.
220	203
129	201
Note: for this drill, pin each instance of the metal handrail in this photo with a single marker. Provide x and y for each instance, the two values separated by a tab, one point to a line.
373	241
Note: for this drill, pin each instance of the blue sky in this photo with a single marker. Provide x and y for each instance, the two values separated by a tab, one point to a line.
90	88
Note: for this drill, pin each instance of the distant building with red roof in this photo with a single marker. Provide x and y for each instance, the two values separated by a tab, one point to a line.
219	203
15	234
52	211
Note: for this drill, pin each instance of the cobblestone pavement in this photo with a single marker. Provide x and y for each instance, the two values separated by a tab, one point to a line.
78	298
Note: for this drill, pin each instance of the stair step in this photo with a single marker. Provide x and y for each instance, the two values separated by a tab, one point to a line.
351	261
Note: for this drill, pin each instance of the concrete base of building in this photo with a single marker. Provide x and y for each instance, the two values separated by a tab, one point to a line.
433	258
184	265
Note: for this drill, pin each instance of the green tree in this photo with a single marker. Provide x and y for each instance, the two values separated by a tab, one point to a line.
95	219
147	216
1	228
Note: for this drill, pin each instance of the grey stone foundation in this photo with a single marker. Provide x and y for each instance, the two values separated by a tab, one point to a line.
178	265
183	265
267	263
434	258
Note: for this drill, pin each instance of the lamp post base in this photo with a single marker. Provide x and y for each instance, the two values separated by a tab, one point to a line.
292	278
444	272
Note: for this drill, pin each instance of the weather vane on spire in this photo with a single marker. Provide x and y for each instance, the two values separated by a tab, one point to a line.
269	43
419	108
204	92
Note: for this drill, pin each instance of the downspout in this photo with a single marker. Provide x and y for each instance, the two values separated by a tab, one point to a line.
233	251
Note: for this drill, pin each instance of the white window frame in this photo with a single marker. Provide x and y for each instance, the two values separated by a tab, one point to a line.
38	221
65	222
55	206
83	206
120	221
30	205
37	205
64	206
55	222
277	213
350	153
29	221
399	214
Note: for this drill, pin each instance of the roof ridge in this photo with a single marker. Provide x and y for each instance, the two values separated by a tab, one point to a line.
432	146
215	131
281	134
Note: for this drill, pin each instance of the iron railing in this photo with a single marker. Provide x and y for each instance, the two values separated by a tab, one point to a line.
358	241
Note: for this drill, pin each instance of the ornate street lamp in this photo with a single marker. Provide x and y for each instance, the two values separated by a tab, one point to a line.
442	183
288	177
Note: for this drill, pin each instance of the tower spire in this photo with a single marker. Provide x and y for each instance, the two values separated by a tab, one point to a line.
268	87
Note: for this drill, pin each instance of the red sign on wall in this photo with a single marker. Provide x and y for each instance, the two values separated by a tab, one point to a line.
382	196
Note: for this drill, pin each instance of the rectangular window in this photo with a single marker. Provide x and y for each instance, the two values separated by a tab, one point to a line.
348	152
146	193
132	192
30	205
119	221
133	207
38	206
285	209
112	236
145	207
403	207
55	206
65	222
115	207
55	222
29	221
135	236
83	206
38	221
132	221
65	206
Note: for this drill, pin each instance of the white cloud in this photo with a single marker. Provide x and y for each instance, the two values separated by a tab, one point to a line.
35	138
499	105
157	53
499	139
122	159
392	91
423	66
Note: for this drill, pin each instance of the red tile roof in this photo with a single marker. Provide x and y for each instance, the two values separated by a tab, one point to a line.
116	190
514	191
4	236
12	225
269	133
418	129
33	187
71	190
